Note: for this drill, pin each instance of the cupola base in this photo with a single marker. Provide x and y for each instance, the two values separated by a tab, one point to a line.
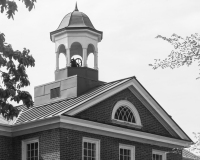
85	72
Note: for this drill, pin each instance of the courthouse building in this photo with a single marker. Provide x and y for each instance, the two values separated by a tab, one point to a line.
79	117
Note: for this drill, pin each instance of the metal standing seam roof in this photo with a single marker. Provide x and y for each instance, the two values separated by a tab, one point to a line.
75	19
56	108
188	155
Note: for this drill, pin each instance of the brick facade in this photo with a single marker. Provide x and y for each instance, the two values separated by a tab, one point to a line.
49	144
5	148
102	113
66	144
71	147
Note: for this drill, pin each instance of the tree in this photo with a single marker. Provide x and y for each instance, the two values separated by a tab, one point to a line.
11	7
186	51
196	146
13	65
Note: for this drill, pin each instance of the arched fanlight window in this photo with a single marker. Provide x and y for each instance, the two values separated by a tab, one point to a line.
125	112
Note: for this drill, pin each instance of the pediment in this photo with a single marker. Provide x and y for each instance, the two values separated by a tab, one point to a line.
144	96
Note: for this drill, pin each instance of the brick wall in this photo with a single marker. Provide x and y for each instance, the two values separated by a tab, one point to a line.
49	144
171	156
5	148
71	147
102	113
66	144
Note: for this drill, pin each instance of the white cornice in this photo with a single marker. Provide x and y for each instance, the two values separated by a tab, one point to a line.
160	111
36	126
153	111
91	127
122	133
5	130
64	31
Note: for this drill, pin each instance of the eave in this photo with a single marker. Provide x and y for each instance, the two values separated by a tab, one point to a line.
91	127
76	29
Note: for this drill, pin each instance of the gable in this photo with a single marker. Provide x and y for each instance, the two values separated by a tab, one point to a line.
102	113
148	100
77	105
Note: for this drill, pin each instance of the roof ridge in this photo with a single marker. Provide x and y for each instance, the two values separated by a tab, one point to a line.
83	19
85	16
70	19
132	77
63	19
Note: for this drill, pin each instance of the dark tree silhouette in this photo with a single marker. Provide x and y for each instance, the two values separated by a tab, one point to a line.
13	73
13	64
10	6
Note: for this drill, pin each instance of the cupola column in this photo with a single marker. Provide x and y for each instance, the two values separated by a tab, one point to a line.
84	57
96	60
57	61
68	57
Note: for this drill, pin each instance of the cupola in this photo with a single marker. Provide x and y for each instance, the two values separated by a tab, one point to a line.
75	38
76	19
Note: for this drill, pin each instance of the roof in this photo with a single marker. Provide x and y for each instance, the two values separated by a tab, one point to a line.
187	155
59	107
76	20
73	106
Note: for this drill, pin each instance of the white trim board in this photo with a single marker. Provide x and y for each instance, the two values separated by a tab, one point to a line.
132	134
160	111
128	147
5	130
95	128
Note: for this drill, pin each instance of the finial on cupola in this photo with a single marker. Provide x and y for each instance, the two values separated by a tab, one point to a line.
76	8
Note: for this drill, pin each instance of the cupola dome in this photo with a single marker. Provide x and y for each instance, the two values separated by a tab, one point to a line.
76	19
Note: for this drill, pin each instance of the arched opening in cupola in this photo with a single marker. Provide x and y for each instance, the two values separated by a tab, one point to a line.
90	56
76	53
62	56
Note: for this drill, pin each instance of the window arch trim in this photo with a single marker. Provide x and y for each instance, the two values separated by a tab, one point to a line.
134	111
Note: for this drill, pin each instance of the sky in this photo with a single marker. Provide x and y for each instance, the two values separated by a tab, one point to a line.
128	46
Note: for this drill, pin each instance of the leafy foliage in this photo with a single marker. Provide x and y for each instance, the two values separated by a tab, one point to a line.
13	72
196	146
13	67
185	52
11	7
